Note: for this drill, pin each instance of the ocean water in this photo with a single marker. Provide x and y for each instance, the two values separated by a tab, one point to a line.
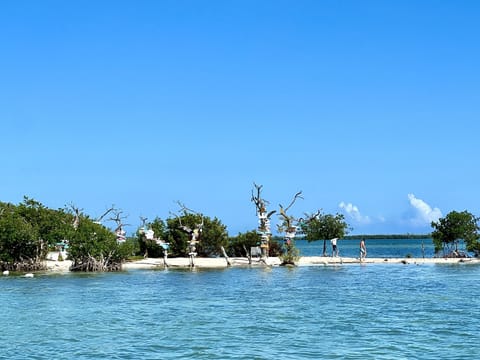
377	248
356	311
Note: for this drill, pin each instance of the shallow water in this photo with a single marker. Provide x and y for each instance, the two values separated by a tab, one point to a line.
372	311
377	248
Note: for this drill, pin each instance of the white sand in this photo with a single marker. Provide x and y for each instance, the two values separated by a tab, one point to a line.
151	263
275	261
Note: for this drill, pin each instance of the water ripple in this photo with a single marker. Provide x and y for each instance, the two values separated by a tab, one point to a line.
347	312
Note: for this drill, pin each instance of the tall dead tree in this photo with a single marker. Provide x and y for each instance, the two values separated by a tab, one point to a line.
144	221
108	211
288	222
263	221
194	234
76	215
119	231
289	226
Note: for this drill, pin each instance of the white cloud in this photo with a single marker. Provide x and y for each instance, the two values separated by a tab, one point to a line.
354	213
424	212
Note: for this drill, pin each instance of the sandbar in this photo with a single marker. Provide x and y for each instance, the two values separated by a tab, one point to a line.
220	262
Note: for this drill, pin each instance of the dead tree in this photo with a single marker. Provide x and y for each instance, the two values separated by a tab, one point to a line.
225	256
76	215
287	224
289	227
194	234
144	221
260	203
100	218
118	219
263	220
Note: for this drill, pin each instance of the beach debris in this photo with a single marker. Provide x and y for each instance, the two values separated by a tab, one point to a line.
225	256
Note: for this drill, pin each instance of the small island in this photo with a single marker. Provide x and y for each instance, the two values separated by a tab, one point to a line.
34	237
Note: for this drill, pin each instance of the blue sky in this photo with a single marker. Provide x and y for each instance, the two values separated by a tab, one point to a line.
370	108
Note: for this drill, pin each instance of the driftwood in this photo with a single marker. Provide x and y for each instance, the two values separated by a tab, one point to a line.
249	255
226	256
165	259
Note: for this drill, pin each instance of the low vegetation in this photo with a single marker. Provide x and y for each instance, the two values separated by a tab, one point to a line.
29	230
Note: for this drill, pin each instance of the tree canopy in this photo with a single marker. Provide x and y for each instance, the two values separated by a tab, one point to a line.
213	235
456	226
29	230
26	232
323	227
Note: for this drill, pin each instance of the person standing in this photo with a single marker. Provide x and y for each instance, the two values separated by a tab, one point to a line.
363	250
334	247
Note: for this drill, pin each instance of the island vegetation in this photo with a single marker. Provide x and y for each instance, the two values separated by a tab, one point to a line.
30	230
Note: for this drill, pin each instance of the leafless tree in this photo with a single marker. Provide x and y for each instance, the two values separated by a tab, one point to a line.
310	217
144	221
118	219
109	210
194	233
260	203
76	215
287	223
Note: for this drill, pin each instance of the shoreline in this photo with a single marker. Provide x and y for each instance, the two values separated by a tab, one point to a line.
220	262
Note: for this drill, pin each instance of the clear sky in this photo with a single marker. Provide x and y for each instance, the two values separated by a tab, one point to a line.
371	108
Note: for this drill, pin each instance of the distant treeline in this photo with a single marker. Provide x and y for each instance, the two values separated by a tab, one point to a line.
374	237
390	236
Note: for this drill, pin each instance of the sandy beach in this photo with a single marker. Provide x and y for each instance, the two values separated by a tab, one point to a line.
220	262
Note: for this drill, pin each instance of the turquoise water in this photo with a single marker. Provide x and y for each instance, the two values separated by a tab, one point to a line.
368	311
378	248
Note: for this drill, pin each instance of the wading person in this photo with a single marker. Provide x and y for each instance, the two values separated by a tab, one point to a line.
334	247
363	250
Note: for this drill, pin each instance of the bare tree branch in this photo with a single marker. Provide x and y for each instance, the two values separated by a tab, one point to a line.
288	220
297	195
144	220
106	213
118	218
76	213
311	217
186	209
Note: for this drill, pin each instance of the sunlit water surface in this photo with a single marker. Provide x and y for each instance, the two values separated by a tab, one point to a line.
372	311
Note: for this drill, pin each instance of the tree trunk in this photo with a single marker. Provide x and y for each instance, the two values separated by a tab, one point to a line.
226	256
249	255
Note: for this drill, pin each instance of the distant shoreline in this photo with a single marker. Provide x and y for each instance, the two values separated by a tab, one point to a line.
375	237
